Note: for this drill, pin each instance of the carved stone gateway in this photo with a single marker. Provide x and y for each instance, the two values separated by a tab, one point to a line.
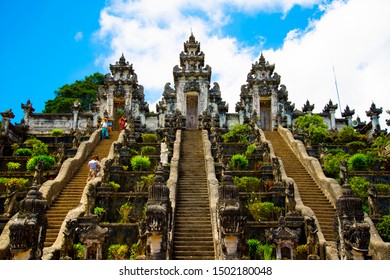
352	234
28	232
158	218
231	220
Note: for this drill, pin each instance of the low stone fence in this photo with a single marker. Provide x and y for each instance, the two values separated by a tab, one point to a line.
213	185
172	185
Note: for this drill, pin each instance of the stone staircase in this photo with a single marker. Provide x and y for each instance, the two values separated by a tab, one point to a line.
311	194
193	239
70	196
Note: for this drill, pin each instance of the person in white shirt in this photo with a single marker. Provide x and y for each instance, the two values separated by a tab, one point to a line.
93	166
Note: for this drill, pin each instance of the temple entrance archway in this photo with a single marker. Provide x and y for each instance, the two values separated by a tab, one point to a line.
192	110
119	110
265	115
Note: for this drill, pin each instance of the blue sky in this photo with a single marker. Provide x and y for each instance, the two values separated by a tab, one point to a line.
46	44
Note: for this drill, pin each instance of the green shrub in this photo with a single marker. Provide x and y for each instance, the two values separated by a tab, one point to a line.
148	150
56	132
139	163
149	138
49	161
265	211
359	186
23	152
13	166
319	134
38	147
332	161
347	134
134	251
19	183
78	250
357	162
99	211
383	187
114	185
124	212
239	162
250	149
237	133
148	180
383	228
117	252
356	146
259	251
247	183
301	252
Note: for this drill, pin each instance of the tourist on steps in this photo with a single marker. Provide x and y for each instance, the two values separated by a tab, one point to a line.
122	123
93	166
104	127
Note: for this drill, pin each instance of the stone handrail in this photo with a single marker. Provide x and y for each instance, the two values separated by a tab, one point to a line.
378	249
52	188
213	185
52	252
172	185
329	186
306	212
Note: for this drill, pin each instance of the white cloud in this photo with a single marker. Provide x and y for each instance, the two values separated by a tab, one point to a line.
79	36
353	36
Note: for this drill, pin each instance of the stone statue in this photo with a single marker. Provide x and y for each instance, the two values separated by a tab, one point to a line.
266	153
38	175
10	201
312	238
290	194
276	170
372	200
164	153
343	172
60	154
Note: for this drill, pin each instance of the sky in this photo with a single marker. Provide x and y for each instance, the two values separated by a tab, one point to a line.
323	50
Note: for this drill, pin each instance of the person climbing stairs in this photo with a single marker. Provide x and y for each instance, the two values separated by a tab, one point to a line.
70	196
193	239
311	194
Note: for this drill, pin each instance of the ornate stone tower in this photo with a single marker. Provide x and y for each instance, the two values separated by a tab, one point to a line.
121	94
191	95
261	96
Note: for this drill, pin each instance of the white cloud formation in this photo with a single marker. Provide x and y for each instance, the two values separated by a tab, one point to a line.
79	36
352	36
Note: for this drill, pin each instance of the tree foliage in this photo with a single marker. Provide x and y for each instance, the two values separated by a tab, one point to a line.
85	91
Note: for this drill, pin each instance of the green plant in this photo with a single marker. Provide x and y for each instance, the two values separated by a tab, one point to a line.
117	252
301	252
148	150
359	186
265	211
125	167
148	180
332	161
355	146
134	251
357	162
38	147
347	134
238	133
114	185
380	144
13	166
252	246
15	146
383	228
315	126
48	161
149	138
99	211
247	183
259	251
20	152
124	212
20	184
239	162
133	152
250	149
78	250
56	132
383	187
139	163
